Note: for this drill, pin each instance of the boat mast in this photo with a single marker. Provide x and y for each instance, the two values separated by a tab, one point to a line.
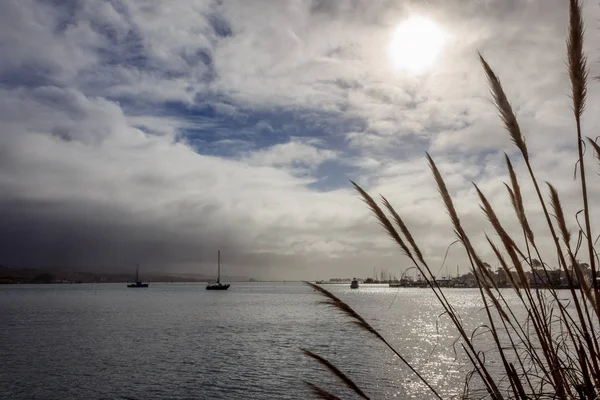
137	273
219	267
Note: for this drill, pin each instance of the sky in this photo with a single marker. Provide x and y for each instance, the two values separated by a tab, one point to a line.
156	132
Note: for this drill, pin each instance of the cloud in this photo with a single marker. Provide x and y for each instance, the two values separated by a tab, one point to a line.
295	154
141	131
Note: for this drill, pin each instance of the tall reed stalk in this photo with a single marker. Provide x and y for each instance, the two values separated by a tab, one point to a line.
559	356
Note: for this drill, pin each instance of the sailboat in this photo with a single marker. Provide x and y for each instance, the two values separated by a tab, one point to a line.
218	285
137	283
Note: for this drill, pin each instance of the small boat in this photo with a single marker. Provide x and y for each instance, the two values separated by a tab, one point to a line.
218	285
354	283
137	283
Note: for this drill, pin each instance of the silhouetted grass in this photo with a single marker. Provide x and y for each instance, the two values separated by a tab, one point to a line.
552	352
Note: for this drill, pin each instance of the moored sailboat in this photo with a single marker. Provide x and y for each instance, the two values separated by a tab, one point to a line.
218	285
138	283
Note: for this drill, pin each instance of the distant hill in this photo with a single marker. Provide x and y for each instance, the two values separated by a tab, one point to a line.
10	275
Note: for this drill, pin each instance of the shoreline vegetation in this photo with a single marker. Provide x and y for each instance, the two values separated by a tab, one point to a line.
553	350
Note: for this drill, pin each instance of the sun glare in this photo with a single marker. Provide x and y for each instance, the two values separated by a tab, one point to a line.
416	44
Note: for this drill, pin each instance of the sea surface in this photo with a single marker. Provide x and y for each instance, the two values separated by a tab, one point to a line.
179	341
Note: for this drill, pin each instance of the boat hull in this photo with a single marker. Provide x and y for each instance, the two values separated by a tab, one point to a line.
137	285
217	287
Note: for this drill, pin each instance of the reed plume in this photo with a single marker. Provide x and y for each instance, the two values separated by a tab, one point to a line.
321	393
596	148
336	372
336	303
576	58
383	219
403	228
504	108
517	200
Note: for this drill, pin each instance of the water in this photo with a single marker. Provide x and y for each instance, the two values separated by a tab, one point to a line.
179	341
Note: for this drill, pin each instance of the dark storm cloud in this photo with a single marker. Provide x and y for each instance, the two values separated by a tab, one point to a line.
45	234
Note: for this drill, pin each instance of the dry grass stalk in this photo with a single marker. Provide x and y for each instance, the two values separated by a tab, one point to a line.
335	302
596	148
383	219
445	194
578	75
559	214
404	229
504	108
338	373
491	216
514	131
321	393
517	200
505	268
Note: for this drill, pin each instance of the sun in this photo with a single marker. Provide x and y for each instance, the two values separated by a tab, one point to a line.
416	44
